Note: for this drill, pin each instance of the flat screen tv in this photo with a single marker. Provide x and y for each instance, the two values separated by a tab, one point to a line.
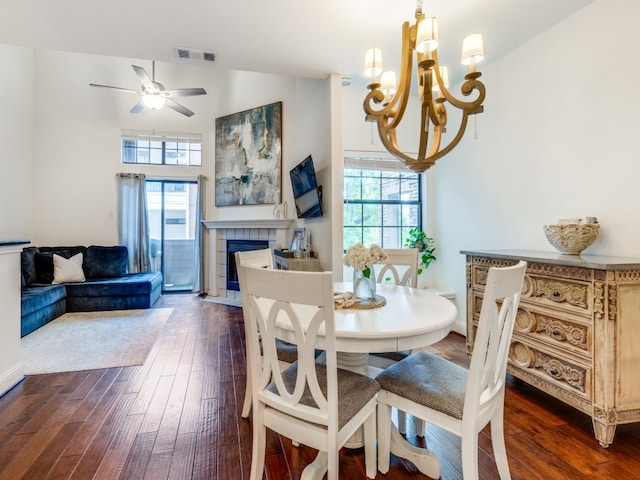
306	192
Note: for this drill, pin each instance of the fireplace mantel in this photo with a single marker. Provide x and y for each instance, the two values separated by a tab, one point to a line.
275	223
275	230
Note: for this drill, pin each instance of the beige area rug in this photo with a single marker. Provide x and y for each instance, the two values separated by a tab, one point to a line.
92	340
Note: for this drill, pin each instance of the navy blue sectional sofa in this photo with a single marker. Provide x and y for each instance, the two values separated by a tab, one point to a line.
107	285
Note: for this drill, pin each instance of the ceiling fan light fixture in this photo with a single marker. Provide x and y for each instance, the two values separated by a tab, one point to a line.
153	101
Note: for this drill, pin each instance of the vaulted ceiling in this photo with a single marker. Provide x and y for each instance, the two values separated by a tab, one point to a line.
293	37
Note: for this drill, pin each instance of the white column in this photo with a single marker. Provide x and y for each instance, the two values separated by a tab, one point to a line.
11	368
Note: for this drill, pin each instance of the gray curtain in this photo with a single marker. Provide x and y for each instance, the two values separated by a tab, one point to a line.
198	268
133	222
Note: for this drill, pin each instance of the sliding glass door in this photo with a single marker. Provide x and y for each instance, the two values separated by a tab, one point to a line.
171	206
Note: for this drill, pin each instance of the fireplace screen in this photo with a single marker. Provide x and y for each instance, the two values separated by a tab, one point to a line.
234	246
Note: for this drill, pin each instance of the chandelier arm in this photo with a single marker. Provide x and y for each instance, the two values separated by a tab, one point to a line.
423	141
394	110
401	97
471	83
454	142
389	141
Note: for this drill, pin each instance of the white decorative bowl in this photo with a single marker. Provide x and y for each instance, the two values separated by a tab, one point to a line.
571	238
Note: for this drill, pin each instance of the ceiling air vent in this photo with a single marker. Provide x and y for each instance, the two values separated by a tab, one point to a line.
190	54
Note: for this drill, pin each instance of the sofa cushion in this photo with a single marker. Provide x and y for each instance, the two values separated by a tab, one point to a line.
130	284
35	298
135	290
106	262
44	265
28	264
67	270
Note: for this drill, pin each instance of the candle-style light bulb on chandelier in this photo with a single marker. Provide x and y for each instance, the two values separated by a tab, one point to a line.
386	104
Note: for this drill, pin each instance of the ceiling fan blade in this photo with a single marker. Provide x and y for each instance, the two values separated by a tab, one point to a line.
178	108
128	90
186	92
144	77
137	108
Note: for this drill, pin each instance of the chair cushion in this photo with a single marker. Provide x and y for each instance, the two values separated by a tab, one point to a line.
428	380
288	352
395	356
354	390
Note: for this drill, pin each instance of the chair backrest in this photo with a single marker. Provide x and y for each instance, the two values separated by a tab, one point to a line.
262	258
487	372
303	301
406	259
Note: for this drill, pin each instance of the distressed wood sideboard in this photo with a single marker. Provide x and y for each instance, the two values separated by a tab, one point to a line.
577	332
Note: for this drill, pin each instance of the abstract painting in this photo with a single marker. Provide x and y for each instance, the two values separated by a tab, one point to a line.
249	157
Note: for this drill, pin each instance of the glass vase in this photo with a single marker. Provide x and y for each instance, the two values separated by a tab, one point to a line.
364	288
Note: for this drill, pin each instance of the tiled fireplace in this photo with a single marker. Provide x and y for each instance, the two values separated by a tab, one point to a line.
275	232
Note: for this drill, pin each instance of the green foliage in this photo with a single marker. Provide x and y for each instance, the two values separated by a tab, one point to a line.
426	245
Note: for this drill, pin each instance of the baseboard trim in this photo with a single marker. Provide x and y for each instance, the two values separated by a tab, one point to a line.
11	378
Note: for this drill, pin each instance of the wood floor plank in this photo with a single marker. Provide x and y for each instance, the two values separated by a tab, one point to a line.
92	424
178	416
138	456
115	457
49	456
41	437
183	457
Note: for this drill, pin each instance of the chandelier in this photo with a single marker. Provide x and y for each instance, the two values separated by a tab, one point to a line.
386	103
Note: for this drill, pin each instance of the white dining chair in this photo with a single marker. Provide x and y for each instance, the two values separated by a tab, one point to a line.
458	400
400	268
315	404
287	354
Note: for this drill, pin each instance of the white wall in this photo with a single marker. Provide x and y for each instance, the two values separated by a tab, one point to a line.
558	139
16	138
63	139
313	136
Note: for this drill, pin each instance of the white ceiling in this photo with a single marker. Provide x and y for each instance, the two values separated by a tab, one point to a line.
294	37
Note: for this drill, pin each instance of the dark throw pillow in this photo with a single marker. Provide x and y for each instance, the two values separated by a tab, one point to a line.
28	264
44	265
106	262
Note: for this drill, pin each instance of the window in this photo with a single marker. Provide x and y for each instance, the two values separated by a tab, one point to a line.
161	149
382	202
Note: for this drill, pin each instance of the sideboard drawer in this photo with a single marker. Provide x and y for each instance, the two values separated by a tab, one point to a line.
565	332
567	294
563	372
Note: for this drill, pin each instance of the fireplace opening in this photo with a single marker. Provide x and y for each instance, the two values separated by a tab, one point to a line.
234	246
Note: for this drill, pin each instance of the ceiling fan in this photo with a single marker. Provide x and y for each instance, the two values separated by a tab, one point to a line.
154	95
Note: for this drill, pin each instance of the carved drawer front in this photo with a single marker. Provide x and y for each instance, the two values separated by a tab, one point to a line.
565	374
564	332
480	270
565	294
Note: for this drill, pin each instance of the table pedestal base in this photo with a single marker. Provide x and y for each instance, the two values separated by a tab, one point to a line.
426	461
356	362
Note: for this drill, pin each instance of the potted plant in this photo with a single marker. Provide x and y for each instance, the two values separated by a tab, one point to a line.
426	245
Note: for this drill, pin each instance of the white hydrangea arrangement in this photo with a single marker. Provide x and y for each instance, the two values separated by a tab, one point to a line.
362	258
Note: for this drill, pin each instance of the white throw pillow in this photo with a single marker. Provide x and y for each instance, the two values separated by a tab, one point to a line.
67	270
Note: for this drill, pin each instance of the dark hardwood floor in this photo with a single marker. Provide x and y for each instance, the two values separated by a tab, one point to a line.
178	417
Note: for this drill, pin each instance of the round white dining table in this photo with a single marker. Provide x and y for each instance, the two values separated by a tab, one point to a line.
411	318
